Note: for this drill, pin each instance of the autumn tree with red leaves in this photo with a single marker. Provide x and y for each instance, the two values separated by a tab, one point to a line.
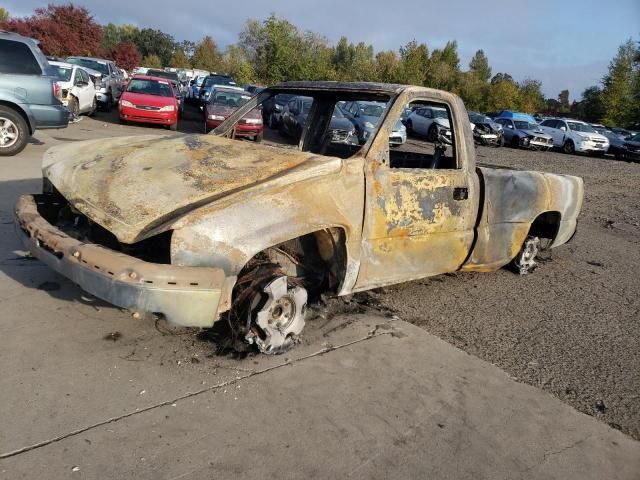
62	30
126	55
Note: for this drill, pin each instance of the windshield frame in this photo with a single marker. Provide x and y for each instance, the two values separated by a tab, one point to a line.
240	94
149	80
57	69
101	67
581	127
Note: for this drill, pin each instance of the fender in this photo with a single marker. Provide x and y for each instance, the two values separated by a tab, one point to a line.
228	233
16	100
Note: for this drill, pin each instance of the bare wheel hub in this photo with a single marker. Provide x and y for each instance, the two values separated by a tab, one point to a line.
525	261
276	325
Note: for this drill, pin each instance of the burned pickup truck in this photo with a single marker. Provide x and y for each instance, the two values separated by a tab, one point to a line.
198	228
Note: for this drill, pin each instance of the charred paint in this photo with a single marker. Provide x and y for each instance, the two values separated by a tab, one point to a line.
225	201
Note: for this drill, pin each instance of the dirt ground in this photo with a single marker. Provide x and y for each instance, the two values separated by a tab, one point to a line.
572	327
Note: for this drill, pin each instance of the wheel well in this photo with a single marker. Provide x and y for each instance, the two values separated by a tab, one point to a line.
19	110
546	225
318	260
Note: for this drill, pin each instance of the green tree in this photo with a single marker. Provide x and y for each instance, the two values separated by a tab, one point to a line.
387	67
155	42
179	59
591	108
314	58
498	77
620	87
473	91
113	34
479	66
444	68
552	106
273	46
563	98
207	56
503	95
4	14
152	61
414	63
237	64
531	98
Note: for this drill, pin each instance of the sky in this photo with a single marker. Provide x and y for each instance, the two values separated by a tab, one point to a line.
566	44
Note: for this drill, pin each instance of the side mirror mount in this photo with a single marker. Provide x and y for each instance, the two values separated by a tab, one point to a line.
564	129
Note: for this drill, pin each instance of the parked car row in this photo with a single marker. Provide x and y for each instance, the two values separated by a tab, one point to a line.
77	88
109	83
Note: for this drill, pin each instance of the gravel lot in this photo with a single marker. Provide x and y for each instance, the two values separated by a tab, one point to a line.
571	328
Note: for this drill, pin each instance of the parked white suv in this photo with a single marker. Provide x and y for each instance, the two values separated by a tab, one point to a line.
111	83
575	136
77	88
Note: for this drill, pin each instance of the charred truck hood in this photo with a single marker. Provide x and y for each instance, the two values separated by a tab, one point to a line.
136	187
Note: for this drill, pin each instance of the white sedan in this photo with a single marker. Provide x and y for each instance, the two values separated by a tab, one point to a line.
77	88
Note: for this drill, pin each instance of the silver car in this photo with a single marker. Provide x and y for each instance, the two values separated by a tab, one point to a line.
111	84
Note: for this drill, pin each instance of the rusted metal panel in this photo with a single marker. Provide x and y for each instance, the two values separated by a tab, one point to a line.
513	199
414	227
229	232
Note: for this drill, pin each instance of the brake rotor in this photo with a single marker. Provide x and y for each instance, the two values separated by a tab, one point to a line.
275	327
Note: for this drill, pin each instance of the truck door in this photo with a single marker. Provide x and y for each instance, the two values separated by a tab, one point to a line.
421	204
551	127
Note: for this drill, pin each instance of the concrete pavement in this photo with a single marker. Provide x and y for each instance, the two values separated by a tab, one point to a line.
88	392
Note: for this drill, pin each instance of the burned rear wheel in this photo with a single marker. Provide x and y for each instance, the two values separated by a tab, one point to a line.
525	261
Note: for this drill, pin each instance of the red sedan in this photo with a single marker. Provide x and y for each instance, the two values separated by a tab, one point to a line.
149	100
222	102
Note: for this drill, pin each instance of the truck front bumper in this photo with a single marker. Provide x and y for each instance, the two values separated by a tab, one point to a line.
186	296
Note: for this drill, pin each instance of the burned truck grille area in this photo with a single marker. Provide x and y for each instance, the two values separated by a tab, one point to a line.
58	212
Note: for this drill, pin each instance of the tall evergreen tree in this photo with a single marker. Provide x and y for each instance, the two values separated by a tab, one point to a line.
620	87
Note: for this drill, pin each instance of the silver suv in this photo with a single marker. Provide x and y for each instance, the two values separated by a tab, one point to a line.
110	85
29	94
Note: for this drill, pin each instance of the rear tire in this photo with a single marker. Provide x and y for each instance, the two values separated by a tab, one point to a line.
14	132
74	109
515	142
94	107
409	128
108	105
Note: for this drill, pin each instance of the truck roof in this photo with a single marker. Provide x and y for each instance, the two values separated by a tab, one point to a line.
332	86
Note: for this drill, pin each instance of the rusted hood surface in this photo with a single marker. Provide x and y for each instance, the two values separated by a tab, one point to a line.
131	185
